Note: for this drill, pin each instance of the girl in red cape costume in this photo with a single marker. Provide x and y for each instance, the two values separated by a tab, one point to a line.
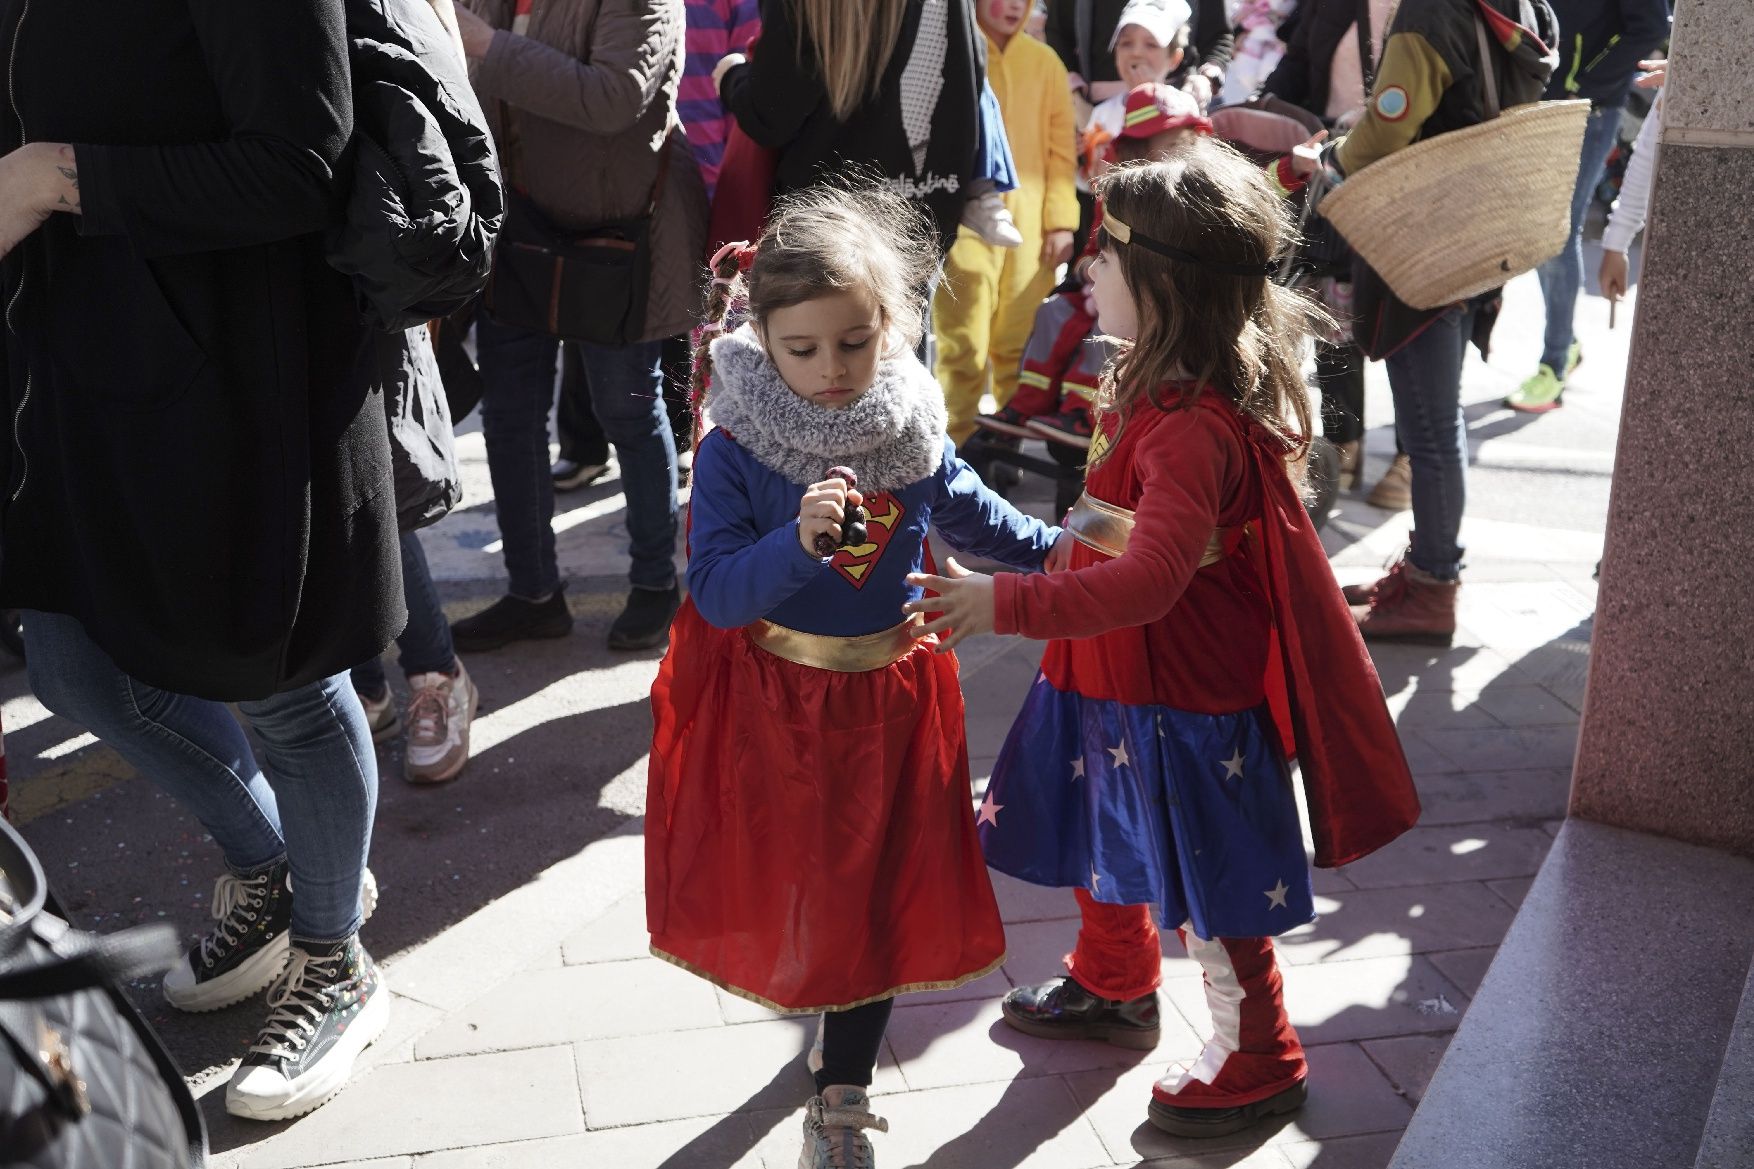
1197	644
810	843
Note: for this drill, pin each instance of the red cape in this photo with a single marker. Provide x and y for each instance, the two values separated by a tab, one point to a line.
1325	694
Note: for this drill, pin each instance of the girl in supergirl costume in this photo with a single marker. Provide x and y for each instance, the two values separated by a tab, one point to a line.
1196	644
810	840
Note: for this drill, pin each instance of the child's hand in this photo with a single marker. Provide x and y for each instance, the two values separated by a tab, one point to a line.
1056	248
964	604
1613	276
1655	73
1306	158
821	511
1060	556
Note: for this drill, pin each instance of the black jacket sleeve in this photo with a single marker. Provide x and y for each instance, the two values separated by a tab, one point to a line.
1290	79
1214	39
1061	33
775	93
1643	25
281	73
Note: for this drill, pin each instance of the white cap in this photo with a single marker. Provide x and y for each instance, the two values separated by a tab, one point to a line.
1163	19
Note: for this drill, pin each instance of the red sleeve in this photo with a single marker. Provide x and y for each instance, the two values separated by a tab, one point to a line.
1184	465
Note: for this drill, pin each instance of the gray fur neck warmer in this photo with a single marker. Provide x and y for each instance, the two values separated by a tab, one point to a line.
891	437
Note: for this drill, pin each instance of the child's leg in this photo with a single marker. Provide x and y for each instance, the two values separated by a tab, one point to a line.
1253	1065
1024	284
850	1043
1119	955
962	318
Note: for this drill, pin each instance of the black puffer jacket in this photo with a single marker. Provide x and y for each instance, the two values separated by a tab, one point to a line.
427	204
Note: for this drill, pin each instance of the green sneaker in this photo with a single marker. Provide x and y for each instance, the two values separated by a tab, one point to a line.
1574	358
1541	393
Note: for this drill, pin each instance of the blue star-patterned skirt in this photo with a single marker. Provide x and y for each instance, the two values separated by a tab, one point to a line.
1192	813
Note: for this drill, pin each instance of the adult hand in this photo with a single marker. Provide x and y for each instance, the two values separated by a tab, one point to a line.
1060	556
1613	276
477	33
36	181
821	511
964	604
1306	157
726	63
1056	248
1199	87
1655	73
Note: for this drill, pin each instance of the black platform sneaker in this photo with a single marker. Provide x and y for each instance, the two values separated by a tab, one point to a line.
327	1008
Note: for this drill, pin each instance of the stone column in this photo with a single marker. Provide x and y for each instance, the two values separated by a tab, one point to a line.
1667	740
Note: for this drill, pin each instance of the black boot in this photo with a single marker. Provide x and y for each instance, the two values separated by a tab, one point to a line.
646	620
512	619
1062	1009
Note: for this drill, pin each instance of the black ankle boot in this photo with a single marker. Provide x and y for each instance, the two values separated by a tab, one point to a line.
1062	1009
512	619
645	622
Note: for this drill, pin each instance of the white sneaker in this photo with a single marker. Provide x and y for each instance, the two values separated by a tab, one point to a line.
328	1006
987	217
439	714
381	716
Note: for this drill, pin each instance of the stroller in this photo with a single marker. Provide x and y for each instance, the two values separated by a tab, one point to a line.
1263	129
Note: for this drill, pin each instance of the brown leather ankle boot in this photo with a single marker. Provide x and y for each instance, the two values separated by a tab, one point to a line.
1411	605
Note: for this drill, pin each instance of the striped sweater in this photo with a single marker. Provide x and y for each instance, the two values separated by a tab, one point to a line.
715	27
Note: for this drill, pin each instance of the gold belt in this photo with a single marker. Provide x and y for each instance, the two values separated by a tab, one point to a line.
1107	528
844	655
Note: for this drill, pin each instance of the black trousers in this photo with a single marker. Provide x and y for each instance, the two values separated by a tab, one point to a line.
1340	377
850	1043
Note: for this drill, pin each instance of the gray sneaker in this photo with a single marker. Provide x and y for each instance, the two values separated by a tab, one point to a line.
834	1125
439	714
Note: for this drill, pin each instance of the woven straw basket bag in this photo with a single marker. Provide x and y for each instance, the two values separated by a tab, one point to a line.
1464	212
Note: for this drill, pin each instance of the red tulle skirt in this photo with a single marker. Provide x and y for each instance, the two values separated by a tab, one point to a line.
810	841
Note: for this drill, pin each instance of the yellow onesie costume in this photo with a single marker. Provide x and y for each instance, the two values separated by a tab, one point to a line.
987	301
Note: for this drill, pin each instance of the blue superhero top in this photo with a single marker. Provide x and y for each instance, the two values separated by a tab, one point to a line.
769	444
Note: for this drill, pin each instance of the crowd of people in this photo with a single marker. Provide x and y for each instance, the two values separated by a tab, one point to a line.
967	221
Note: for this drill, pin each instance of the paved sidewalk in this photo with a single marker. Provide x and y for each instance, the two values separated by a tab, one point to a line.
532	1029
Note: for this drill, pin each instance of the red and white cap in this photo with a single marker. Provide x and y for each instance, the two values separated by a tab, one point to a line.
1154	107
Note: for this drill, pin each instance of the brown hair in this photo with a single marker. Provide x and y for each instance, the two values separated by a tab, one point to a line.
1200	325
822	240
852	41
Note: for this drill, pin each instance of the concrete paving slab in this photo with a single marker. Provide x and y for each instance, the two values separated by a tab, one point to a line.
1452	852
1026	1124
430	1105
1386	923
1409	1061
1019	901
1511	749
1469	797
968	1043
618	935
1365	1152
1516	705
604	1000
748	1068
1465	968
1512	889
1338	1002
726	1142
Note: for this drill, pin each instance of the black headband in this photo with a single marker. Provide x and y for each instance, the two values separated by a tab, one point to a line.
1126	235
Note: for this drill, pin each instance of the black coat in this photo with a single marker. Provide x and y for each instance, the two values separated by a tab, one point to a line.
199	471
779	100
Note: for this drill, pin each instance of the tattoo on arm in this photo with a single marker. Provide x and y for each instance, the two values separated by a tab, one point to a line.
68	198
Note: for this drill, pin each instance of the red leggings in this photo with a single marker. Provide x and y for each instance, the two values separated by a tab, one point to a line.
1119	954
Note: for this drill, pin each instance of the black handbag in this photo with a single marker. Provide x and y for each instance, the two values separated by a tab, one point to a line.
589	285
84	1082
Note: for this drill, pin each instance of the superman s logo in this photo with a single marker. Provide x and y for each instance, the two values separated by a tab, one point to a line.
856	561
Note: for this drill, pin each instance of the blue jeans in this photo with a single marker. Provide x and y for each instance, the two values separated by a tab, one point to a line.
626	386
1562	276
426	639
1425	376
316	814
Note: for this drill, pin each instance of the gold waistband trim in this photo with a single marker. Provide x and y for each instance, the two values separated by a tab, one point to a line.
1106	528
843	655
